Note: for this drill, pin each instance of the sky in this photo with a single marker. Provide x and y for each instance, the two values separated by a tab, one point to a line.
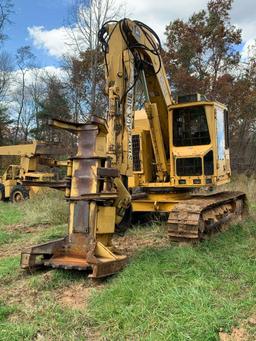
42	23
50	14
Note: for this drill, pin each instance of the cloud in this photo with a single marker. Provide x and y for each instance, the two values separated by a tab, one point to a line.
155	13
34	74
243	15
249	49
158	13
56	41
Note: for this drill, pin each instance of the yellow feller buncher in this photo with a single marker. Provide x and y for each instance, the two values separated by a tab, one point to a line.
148	161
18	181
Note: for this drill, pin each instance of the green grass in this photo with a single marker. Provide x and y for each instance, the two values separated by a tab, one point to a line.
10	214
8	237
46	321
181	293
5	312
9	269
54	232
56	280
169	293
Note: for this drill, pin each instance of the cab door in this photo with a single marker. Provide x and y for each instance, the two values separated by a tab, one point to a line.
223	159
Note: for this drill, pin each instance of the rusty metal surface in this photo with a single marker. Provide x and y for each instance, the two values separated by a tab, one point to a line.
75	126
203	214
81	217
107	172
60	184
98	270
104	269
91	181
68	262
33	256
95	196
73	252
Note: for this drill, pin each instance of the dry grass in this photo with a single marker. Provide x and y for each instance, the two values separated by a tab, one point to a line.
245	184
48	207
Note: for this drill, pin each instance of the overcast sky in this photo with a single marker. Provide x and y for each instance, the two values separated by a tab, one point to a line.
40	23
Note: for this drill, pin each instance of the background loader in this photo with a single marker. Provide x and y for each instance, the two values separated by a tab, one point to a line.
19	181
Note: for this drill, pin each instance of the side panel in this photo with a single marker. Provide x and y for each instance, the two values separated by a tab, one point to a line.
142	158
223	158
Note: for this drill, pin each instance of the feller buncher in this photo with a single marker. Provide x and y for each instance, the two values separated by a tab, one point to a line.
19	181
148	162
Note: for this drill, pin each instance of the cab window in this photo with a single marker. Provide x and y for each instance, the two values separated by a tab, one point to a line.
190	127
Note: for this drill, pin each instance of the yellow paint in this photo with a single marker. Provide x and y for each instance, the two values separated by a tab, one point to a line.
31	157
105	220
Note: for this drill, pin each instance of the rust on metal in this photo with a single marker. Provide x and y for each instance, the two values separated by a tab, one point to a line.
91	192
195	218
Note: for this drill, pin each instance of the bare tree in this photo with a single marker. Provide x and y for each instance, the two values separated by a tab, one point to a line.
25	60
89	18
75	87
5	59
5	12
5	68
27	120
5	73
37	90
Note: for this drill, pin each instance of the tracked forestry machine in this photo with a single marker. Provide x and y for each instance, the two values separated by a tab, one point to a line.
145	161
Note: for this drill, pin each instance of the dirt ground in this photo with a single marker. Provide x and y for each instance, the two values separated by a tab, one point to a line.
76	295
132	242
240	333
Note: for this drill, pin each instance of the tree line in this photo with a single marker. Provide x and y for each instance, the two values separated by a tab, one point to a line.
202	54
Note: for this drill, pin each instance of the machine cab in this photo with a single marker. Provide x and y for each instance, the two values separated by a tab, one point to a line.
199	144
